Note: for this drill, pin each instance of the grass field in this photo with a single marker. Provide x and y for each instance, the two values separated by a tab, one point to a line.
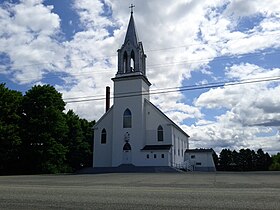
248	190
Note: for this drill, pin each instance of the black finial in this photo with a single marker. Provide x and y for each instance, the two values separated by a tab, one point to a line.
131	8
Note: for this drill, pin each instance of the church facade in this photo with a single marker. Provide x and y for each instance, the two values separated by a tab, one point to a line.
134	131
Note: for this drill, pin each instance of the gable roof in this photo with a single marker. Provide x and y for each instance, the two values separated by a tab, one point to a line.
103	116
167	118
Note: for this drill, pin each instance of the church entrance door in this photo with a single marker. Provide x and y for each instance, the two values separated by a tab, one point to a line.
126	153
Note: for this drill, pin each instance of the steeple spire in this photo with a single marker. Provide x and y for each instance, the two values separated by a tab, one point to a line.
131	34
131	56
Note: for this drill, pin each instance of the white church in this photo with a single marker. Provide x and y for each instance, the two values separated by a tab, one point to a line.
134	131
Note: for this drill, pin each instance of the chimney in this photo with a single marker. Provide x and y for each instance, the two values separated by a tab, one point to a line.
107	98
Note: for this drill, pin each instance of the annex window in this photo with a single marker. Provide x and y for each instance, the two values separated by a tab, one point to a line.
127	119
192	156
160	133
198	164
103	136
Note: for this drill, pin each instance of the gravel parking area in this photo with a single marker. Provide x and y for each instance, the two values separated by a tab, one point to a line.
248	190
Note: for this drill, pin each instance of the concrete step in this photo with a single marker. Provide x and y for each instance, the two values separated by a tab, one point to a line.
129	168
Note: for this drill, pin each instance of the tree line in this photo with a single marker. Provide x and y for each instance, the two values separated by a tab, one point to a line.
37	136
246	160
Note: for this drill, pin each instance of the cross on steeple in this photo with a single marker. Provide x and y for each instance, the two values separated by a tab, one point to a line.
131	8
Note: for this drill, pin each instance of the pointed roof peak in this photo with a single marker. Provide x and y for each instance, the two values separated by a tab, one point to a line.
131	34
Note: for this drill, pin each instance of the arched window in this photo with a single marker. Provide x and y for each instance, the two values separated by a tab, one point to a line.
127	119
160	133
132	61
126	147
103	136
125	62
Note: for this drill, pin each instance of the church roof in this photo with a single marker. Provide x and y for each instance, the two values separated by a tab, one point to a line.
199	150
171	122
131	34
103	116
157	147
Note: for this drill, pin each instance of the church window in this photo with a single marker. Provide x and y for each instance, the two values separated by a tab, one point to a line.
125	60
162	155
126	147
198	164
160	133
155	155
132	61
148	156
127	119
192	156
103	136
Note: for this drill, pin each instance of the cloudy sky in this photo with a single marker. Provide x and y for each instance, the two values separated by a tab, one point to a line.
219	60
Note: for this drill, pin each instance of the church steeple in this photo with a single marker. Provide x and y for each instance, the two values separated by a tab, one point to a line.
131	34
131	56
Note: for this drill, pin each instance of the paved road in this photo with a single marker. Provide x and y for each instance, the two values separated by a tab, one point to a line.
142	191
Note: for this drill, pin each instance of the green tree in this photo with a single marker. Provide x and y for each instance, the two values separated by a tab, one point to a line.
235	161
87	128
246	160
80	150
225	160
44	129
268	161
10	141
261	164
275	166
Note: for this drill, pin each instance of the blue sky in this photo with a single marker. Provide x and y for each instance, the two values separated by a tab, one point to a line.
72	45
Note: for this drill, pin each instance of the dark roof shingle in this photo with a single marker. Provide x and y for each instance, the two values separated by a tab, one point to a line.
157	147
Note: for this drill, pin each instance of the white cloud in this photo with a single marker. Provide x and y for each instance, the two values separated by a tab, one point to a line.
241	8
250	71
91	60
27	32
90	13
252	110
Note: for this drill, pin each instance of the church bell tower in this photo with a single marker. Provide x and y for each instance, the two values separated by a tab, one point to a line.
131	65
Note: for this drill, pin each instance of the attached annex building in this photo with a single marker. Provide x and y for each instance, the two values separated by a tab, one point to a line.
199	160
134	131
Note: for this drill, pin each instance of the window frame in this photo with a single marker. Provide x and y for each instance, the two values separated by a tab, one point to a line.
160	133
127	119
103	136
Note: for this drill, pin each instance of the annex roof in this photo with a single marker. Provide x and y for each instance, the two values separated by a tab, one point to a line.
199	150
